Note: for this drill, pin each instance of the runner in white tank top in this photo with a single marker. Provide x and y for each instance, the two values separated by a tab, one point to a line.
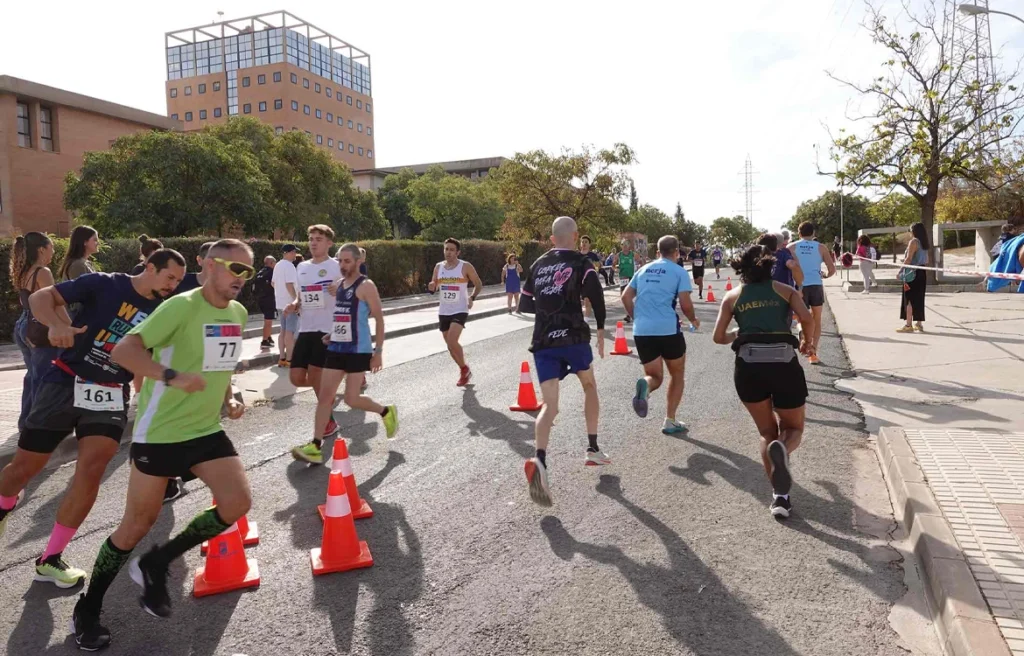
451	278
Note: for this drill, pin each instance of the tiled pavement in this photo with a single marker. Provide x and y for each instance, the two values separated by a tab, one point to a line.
978	479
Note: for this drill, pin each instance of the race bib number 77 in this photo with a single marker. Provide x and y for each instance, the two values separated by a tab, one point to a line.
222	346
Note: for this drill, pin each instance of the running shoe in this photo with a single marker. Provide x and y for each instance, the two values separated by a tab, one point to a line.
89	634
628	319
391	421
464	377
640	399
154	599
780	507
537	477
905	329
54	570
597	458
7	513
814	359
331	429
265	345
309	452
174	490
919	327
673	427
283	363
271	340
780	477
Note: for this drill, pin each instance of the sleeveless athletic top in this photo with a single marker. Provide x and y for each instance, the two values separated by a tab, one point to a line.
760	310
453	286
351	330
512	282
809	256
627	265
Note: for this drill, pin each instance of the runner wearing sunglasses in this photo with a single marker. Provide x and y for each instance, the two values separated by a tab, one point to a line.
83	391
196	339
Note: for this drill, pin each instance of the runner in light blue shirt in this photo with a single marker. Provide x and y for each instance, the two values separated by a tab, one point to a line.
657	286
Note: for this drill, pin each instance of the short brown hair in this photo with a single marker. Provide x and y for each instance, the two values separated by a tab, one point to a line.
456	242
587	237
225	245
322	229
668	245
806	229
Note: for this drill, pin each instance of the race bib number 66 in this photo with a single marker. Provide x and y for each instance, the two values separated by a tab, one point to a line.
341	331
222	346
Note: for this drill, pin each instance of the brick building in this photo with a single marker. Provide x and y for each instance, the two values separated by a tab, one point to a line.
279	69
44	134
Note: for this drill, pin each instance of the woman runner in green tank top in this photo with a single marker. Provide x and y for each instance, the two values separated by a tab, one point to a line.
768	377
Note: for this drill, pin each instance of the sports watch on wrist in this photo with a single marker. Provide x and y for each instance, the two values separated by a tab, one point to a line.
169	375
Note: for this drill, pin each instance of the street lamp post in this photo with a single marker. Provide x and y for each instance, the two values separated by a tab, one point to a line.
975	10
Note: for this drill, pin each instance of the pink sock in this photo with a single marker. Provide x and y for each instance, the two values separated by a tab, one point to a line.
6	503
59	540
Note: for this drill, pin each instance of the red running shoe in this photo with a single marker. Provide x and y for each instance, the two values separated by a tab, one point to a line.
464	377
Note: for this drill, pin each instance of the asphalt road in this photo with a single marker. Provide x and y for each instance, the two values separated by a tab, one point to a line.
670	550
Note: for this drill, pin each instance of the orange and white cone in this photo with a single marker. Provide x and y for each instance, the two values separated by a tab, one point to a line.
711	295
341	463
249	531
728	284
340	550
226	566
621	348
527	401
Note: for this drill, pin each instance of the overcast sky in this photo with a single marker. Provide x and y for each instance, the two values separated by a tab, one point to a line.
693	87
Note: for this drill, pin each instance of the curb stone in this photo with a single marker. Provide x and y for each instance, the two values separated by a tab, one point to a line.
961	616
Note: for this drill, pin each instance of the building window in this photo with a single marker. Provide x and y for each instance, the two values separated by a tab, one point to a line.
341	121
329	92
277	78
316	87
338	96
308	133
360	151
202	114
46	129
261	79
188	117
294	78
263	106
359	127
279	130
247	108
319	114
245	81
278	104
305	82
320	139
350	124
330	143
369	131
348	99
359	104
351	148
369	110
216	112
369	154
188	91
174	92
216	86
295	105
341	146
305	110
174	116
330	117
202	88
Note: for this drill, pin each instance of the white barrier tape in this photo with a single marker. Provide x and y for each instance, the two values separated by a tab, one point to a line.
987	274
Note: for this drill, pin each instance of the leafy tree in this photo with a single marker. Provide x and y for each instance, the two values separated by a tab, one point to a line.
688	232
679	217
733	231
896	209
393	198
454	206
931	119
824	213
535	187
634	201
651	221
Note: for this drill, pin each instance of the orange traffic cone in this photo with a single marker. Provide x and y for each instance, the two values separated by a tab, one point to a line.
527	401
226	567
249	531
341	463
620	341
340	550
711	295
728	284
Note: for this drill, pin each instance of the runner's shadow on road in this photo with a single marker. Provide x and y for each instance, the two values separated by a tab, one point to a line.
37	624
839	515
356	429
495	425
673	591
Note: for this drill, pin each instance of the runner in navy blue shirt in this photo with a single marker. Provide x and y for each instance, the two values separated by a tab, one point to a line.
193	280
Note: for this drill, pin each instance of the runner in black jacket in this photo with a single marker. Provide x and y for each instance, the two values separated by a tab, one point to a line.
554	291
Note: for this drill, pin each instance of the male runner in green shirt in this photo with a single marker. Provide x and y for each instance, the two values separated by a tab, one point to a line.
196	339
625	262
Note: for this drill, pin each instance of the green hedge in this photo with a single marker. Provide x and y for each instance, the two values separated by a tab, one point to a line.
397	267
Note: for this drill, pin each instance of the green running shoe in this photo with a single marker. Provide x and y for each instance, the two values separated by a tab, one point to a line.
309	452
54	570
391	421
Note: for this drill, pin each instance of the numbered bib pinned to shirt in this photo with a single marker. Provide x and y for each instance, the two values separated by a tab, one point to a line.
98	397
450	295
312	296
698	263
222	346
342	329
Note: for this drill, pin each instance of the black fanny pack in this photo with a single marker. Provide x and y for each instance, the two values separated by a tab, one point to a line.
765	353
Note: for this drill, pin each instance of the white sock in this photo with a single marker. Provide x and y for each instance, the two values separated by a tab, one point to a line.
780	496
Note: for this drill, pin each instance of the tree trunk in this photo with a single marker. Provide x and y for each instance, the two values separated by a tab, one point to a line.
928	219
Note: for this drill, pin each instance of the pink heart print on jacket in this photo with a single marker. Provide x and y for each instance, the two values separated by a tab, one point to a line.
562	276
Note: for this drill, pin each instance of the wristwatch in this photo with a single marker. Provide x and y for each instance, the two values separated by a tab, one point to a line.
169	375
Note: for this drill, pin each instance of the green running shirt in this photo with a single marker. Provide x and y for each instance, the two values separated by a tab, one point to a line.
627	265
188	335
760	310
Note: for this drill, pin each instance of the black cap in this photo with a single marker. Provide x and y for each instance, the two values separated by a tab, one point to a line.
288	248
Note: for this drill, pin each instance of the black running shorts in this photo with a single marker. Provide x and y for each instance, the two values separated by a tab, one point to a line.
697	273
309	351
782	382
446	321
178	458
814	295
651	347
53	417
350	363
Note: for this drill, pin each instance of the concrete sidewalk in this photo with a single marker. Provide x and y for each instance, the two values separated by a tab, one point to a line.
947	406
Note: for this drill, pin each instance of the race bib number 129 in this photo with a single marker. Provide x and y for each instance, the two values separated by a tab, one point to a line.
222	346
450	294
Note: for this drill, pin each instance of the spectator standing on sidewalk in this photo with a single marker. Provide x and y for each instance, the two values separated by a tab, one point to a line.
914	282
266	300
512	276
865	251
837	248
285	282
84	243
363	270
30	271
147	247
